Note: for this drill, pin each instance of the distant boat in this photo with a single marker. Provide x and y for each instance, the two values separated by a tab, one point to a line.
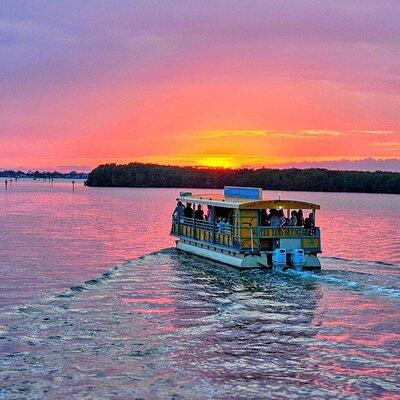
240	231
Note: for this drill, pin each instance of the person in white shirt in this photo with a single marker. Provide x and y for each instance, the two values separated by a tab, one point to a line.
221	225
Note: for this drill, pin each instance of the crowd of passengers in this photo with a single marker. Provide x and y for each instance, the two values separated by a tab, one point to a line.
275	218
187	211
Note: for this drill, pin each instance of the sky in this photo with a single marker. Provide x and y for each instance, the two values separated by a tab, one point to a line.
206	83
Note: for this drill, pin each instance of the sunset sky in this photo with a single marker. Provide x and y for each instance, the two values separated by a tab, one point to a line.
214	83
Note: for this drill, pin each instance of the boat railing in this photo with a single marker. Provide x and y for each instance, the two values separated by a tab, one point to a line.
266	232
206	231
210	232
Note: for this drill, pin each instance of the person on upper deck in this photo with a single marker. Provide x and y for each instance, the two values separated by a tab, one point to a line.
293	218
282	217
300	218
271	213
188	210
210	214
275	219
199	213
311	216
309	222
263	217
179	211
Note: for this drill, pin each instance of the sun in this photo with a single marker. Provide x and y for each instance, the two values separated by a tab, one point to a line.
217	162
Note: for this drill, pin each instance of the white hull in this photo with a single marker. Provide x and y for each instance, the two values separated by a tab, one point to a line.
236	259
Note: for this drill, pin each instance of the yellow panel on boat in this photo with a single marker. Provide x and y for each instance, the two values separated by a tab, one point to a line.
311	243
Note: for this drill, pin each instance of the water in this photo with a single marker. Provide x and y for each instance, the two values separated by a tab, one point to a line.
96	303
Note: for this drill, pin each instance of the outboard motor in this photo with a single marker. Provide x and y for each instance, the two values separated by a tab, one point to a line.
279	259
298	259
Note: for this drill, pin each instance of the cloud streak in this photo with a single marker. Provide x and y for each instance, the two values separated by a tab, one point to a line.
305	134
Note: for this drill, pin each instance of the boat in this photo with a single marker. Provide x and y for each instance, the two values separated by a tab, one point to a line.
238	230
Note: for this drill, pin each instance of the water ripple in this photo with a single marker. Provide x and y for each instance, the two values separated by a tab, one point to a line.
172	326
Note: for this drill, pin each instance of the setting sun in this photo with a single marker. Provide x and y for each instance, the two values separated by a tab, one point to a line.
217	161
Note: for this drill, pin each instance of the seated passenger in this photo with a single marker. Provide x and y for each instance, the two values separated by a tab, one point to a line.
179	211
228	226
293	218
199	213
300	218
220	225
188	210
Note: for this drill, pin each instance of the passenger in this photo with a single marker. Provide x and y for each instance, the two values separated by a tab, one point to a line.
199	213
179	211
311	216
300	218
188	210
293	218
268	217
272	212
221	225
228	226
263	217
275	219
282	217
309	222
210	214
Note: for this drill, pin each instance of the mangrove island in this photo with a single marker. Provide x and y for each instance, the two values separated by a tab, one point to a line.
312	179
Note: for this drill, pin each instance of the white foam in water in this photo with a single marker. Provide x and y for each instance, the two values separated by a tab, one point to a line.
323	278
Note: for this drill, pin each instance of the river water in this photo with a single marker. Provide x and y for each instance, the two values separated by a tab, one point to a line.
96	303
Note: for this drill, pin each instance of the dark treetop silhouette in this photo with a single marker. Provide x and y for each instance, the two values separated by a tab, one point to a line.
312	179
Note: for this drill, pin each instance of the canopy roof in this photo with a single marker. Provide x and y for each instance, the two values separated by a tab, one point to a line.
218	200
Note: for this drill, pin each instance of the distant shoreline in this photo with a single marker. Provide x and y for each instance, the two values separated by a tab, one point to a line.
305	180
11	174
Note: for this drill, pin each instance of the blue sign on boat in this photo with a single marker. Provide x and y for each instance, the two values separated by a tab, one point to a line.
243	192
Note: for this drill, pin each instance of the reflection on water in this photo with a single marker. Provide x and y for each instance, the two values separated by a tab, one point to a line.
170	325
74	324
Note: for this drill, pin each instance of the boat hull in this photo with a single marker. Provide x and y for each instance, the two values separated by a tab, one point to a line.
236	259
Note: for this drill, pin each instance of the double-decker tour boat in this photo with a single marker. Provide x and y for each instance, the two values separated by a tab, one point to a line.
242	229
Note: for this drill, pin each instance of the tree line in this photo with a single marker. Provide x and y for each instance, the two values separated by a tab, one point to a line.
44	174
312	179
